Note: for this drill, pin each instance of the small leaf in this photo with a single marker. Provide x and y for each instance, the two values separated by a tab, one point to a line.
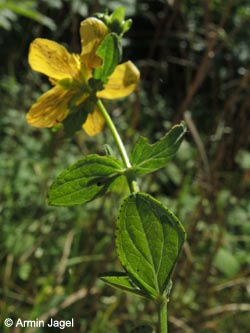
118	14
110	52
149	238
115	22
74	122
147	157
121	281
83	181
78	116
226	262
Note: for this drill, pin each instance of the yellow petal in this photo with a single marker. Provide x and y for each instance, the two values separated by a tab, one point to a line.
92	33
94	123
122	81
50	108
53	60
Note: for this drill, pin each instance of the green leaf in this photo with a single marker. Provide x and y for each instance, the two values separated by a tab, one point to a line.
115	22
147	158
226	262
83	181
149	238
25	8
118	14
74	122
121	281
78	115
110	52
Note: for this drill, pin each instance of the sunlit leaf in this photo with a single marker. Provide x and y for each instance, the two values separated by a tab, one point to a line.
147	157
110	53
85	180
149	238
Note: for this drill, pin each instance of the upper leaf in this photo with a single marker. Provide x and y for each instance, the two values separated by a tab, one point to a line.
147	158
110	53
83	181
149	238
116	21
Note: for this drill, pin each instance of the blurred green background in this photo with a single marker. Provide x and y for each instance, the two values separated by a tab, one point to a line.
194	59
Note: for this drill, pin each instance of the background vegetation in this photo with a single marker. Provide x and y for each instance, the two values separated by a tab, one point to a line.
194	60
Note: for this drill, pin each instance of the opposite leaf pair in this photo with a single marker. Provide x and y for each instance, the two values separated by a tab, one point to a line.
93	175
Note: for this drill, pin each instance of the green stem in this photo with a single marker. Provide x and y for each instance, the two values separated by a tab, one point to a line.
132	182
163	321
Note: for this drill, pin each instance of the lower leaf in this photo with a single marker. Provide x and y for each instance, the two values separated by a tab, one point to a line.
123	282
149	238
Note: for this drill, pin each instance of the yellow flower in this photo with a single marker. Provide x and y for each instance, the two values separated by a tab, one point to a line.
69	74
